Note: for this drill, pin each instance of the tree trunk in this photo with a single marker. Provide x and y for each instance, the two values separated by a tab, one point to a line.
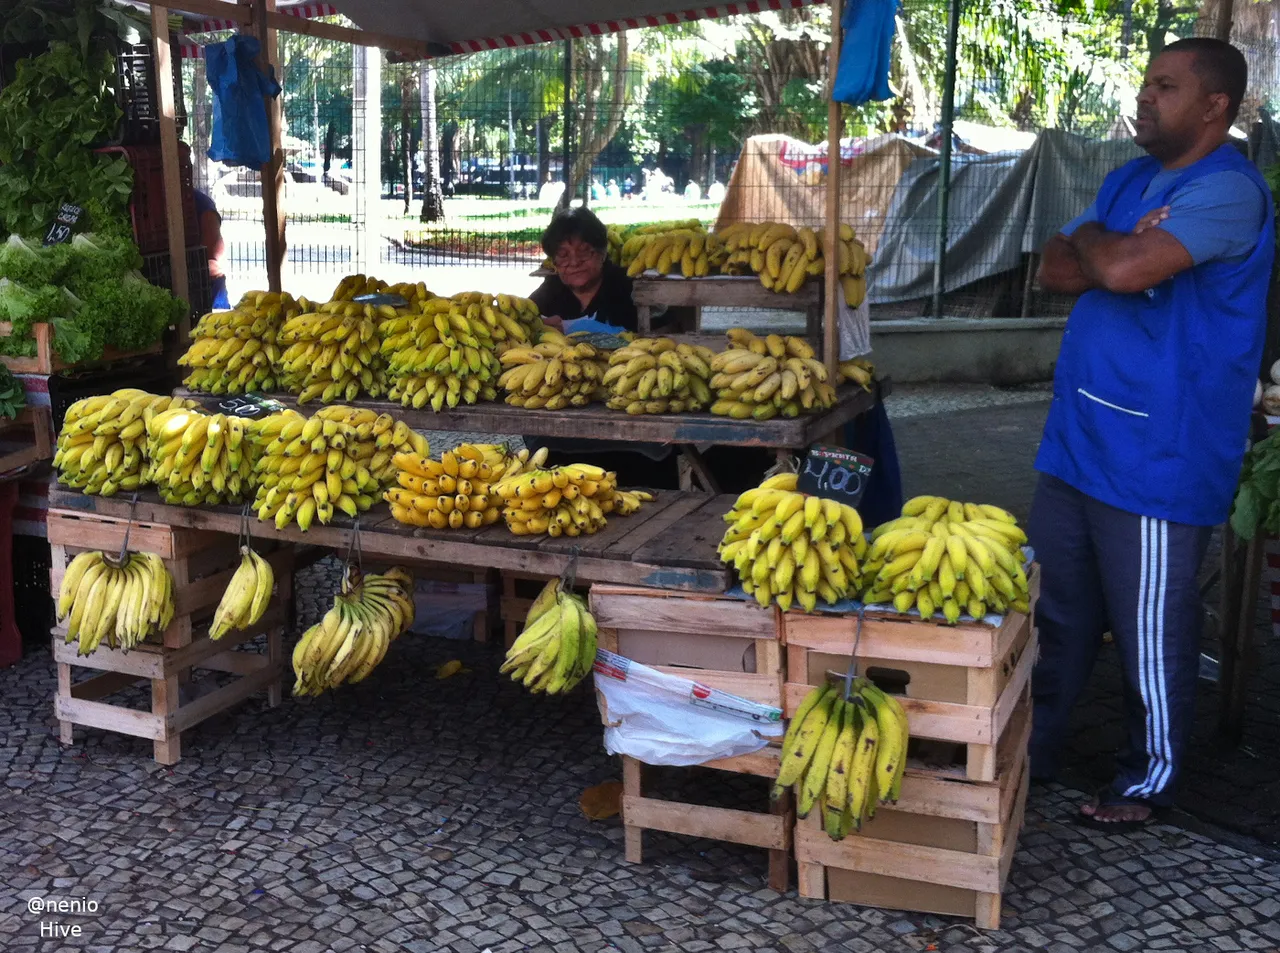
544	147
698	153
406	138
591	141
449	155
432	190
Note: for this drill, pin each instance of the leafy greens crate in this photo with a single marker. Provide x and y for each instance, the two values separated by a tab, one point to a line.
47	361
146	206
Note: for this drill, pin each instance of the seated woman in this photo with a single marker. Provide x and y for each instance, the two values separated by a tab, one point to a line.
586	285
590	293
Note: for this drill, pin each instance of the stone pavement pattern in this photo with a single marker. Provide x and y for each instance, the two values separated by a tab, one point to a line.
409	814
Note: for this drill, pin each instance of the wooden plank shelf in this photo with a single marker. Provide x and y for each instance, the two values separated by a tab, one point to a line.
596	422
612	555
47	361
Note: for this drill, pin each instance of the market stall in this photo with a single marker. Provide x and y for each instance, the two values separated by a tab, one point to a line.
178	519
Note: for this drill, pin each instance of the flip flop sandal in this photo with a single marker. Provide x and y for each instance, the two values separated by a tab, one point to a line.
1108	798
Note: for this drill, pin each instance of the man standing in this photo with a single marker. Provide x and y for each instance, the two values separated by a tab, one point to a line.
1152	394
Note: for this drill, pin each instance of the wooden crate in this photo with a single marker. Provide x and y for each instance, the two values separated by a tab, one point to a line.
202	564
47	361
945	847
959	685
724	643
33	429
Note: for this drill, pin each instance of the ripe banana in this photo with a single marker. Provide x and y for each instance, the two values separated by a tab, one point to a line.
121	602
246	597
557	648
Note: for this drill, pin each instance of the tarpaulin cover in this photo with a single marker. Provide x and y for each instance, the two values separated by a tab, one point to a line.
781	179
1002	206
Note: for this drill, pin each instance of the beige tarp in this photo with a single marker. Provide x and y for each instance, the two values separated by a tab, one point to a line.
780	179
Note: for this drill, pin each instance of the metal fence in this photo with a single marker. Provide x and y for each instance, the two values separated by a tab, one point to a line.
447	171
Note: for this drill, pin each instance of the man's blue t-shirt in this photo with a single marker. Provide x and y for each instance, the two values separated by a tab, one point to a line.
1215	217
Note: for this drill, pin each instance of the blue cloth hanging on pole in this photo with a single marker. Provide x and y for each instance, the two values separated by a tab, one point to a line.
241	133
863	73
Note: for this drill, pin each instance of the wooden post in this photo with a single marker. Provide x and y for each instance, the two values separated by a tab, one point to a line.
831	334
1237	644
172	173
272	174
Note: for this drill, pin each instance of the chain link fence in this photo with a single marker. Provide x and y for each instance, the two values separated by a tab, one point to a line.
447	171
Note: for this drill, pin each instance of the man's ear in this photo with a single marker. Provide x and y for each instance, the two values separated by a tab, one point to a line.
1218	103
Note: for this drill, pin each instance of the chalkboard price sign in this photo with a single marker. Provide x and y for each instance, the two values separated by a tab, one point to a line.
835	473
246	406
63	222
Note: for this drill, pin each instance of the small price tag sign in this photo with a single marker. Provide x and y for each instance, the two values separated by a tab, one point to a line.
63	222
396	301
835	473
248	406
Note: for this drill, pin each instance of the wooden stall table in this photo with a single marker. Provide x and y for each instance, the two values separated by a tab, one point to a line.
597	422
652	291
669	544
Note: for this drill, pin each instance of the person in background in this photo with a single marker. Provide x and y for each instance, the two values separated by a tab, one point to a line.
211	238
1150	417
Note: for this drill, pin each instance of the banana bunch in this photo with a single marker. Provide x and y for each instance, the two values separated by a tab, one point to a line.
245	600
949	557
199	458
235	351
102	447
557	648
845	755
784	257
333	352
569	500
123	603
309	467
659	376
352	286
789	547
858	371
379	437
368	614
446	353
450	493
555	373
617	238
687	249
764	377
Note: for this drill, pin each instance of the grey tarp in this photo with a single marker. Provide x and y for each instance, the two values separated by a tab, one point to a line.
1001	206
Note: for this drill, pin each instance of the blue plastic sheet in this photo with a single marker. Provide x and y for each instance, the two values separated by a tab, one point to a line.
241	134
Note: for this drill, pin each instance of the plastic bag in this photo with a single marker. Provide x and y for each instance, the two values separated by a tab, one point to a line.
863	73
241	135
665	719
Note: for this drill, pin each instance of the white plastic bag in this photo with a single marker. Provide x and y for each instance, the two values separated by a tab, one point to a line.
665	719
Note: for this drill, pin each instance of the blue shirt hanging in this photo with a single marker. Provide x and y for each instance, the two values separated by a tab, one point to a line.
241	134
863	73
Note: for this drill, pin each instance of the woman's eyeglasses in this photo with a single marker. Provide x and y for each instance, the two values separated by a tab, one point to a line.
566	259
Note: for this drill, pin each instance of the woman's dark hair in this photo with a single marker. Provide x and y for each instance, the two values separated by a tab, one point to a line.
574	223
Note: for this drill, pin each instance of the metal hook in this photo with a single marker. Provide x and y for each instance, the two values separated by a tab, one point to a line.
570	575
128	528
853	658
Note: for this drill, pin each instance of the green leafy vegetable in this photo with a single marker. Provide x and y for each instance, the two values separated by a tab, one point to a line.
57	108
12	395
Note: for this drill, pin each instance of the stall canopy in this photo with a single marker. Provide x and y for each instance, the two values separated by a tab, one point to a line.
492	24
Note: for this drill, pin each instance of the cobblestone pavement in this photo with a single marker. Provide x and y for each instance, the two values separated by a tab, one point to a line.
403	815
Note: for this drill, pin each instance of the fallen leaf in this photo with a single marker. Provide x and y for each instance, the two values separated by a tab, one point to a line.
601	801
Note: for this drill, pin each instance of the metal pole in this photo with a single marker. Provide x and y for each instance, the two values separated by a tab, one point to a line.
568	117
831	279
944	160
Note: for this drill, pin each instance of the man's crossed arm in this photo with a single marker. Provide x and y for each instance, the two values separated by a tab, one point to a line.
1124	263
